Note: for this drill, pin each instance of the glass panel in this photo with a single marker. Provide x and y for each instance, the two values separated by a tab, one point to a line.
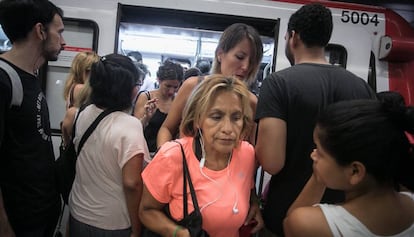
5	43
80	35
156	43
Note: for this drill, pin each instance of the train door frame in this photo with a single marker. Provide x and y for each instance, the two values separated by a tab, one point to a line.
167	17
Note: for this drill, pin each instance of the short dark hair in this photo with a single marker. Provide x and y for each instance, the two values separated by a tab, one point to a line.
112	80
373	133
192	72
313	22
204	66
18	17
170	71
136	55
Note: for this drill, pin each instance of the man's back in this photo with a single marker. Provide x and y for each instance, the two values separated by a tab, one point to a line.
296	95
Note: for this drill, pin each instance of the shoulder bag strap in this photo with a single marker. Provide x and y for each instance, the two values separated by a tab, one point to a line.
92	128
147	93
136	100
186	174
74	123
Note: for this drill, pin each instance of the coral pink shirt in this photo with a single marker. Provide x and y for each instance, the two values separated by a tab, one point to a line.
217	194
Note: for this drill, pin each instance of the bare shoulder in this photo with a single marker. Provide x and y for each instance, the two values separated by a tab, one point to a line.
252	98
77	88
306	221
190	82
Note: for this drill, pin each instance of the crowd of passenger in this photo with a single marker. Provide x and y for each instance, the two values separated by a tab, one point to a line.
338	153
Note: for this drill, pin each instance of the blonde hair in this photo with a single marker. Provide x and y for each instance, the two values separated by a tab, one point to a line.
204	95
81	63
84	94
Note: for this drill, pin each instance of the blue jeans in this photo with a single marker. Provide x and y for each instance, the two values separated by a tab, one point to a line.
79	229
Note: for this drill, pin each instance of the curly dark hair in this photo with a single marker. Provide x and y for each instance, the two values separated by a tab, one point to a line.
170	71
313	22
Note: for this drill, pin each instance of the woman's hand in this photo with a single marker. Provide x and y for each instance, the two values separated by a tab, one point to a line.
150	107
149	110
254	217
183	233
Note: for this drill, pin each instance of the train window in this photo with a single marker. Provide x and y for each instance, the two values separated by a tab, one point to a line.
183	36
5	43
336	55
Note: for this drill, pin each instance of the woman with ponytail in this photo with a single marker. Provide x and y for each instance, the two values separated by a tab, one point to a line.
361	148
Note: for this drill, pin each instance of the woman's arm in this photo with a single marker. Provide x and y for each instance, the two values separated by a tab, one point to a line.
253	103
77	89
311	194
5	227
152	216
144	109
139	110
132	184
306	221
171	124
67	124
254	216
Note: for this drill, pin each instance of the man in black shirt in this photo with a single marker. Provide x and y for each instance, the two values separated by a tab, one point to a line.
288	105
29	200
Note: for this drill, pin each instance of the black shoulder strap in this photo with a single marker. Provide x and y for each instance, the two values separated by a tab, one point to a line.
136	99
71	96
186	174
91	128
147	93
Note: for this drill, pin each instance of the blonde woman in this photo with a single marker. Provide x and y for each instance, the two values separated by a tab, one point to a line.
238	53
78	75
216	118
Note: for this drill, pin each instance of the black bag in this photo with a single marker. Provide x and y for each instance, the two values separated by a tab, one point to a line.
66	163
193	221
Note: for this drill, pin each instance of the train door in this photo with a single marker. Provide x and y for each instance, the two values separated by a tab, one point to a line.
80	35
184	36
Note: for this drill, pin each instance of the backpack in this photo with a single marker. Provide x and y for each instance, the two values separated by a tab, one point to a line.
16	84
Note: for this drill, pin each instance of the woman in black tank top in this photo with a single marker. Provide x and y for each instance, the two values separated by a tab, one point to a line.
152	106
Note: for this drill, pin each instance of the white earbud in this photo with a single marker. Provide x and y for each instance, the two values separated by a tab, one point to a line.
235	210
202	161
203	152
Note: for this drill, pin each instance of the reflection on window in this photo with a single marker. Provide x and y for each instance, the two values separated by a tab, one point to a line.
5	43
336	55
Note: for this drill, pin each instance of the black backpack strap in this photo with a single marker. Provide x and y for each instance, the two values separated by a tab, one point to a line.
91	128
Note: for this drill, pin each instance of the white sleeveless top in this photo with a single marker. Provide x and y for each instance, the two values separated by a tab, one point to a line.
344	224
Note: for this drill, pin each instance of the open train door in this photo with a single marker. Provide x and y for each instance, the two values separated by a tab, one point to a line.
159	33
80	35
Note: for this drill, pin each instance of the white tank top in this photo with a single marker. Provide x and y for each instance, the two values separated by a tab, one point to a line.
344	224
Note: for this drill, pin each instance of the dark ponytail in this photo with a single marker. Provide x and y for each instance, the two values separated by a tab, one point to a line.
374	133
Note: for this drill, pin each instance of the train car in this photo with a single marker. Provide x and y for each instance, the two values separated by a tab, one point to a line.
375	43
